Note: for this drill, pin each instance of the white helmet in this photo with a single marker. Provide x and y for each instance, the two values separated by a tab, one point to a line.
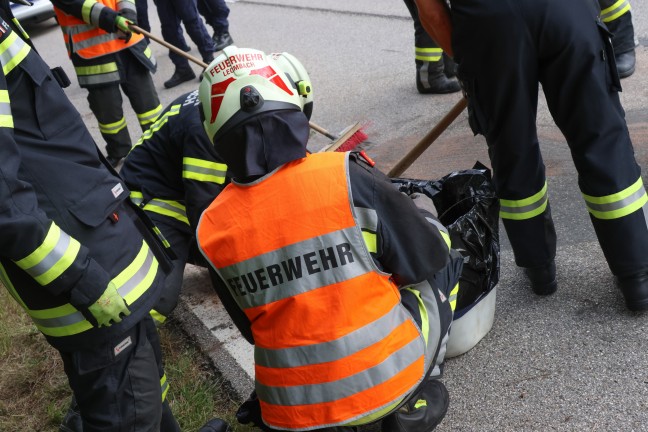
241	83
299	78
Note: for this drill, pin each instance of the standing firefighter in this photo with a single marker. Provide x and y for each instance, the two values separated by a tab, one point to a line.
107	55
504	48
75	254
344	287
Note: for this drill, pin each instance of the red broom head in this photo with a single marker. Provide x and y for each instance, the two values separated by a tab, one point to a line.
353	141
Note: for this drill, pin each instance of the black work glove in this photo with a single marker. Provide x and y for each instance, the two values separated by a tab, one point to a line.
250	413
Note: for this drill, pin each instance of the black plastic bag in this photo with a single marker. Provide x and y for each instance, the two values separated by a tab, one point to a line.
469	208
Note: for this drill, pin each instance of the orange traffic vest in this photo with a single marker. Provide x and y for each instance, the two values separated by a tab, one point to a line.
88	40
333	343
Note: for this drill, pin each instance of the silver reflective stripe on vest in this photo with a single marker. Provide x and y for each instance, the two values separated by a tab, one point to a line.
12	51
78	29
360	339
126	5
302	267
339	389
94	41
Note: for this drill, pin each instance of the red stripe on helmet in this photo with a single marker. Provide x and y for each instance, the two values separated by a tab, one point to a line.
268	72
217	93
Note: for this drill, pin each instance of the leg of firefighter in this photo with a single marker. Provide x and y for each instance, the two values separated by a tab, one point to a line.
502	105
140	89
432	305
617	16
106	104
118	385
429	60
586	106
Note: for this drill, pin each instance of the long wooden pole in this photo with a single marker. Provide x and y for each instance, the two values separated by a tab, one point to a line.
428	139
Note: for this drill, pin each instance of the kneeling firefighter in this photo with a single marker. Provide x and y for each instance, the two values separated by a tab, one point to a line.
345	286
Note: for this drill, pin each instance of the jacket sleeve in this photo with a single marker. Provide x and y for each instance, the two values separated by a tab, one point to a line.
90	11
203	175
409	243
33	241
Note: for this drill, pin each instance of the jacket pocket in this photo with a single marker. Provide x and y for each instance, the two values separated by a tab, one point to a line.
101	204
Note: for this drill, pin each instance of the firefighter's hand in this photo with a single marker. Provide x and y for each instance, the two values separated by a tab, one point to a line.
122	28
424	202
108	309
250	413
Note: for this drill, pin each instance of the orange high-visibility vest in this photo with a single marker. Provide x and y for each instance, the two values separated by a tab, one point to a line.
333	343
88	40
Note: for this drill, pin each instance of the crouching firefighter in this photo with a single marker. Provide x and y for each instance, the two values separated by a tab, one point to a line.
81	261
344	286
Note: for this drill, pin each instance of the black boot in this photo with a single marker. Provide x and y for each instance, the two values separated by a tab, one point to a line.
216	425
179	76
422	413
222	39
543	279
431	79
635	291
625	63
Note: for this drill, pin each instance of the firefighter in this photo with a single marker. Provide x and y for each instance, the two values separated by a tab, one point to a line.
173	175
344	287
504	50
76	255
616	14
107	55
435	71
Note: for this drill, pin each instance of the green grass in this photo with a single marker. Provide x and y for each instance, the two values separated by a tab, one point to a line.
34	393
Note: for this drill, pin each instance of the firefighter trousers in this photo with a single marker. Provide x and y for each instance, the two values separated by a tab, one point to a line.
121	386
505	49
107	104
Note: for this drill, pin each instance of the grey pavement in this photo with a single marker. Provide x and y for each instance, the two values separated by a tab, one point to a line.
572	362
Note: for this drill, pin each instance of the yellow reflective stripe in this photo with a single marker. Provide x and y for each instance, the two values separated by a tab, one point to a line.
161	121
86	9
619	204
164	386
147	52
453	297
149	116
525	208
60	312
112	128
163	239
6	119
203	170
425	323
168	208
49	260
97	69
420	403
446	238
615	11
7	283
12	51
157	317
143	282
371	241
428	54
20	27
67	330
